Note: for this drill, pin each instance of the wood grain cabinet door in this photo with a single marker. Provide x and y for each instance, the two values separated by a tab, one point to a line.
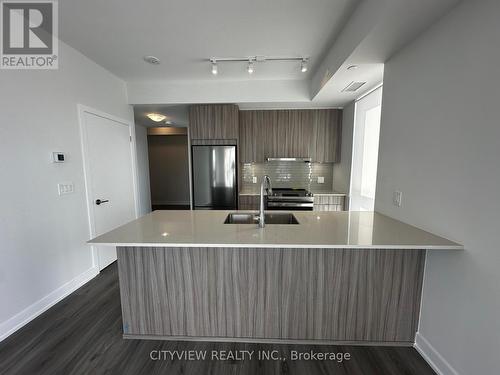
305	133
256	135
247	134
327	133
298	134
213	121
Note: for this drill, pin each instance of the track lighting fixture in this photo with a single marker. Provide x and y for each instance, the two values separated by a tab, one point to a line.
252	60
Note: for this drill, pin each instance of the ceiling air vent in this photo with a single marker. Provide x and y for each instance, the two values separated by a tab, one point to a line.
353	86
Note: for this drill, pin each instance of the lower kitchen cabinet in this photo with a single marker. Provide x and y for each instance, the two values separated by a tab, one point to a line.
329	202
249	202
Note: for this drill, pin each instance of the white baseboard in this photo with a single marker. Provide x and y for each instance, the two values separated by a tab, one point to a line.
22	318
433	357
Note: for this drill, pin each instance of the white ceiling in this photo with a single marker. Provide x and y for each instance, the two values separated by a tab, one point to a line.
184	33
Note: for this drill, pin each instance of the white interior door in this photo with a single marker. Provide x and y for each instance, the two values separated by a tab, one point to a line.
110	177
365	152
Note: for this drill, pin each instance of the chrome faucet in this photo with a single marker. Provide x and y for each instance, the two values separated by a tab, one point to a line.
265	184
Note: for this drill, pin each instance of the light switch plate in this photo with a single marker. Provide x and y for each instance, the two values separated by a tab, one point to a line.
321	180
396	198
254	179
65	188
58	157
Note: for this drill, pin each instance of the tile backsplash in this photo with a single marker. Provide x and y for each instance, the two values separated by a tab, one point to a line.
288	174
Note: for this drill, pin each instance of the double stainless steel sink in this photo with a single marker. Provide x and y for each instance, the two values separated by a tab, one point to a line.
269	218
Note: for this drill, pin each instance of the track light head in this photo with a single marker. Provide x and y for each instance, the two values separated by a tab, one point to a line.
214	67
303	66
251	67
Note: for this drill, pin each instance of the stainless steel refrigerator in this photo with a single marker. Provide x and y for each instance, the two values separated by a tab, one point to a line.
214	177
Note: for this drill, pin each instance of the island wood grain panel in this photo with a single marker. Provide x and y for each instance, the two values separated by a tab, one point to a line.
302	294
351	295
200	292
213	121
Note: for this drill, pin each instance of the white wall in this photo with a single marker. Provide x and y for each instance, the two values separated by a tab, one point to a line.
42	236
218	91
141	140
342	170
440	145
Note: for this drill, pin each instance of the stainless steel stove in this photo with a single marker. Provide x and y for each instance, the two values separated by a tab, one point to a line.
287	199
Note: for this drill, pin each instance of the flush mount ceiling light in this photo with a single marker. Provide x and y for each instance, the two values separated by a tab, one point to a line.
156	117
153	60
252	60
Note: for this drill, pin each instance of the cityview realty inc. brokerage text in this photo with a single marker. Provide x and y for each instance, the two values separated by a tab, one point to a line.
247	355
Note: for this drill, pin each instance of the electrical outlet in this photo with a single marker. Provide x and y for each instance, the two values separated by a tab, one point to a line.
65	188
254	179
321	180
396	198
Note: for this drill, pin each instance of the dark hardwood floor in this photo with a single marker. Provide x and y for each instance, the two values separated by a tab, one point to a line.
82	335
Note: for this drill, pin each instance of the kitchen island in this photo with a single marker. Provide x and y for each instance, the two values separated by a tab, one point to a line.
343	277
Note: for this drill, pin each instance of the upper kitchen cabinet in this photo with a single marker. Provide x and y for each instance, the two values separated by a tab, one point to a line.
257	135
314	134
213	121
326	140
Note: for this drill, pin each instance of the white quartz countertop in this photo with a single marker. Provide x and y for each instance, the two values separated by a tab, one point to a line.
204	228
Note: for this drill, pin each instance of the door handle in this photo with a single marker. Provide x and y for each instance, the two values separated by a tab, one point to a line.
99	201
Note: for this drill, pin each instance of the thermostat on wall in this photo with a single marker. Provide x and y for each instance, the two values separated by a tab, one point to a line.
58	157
